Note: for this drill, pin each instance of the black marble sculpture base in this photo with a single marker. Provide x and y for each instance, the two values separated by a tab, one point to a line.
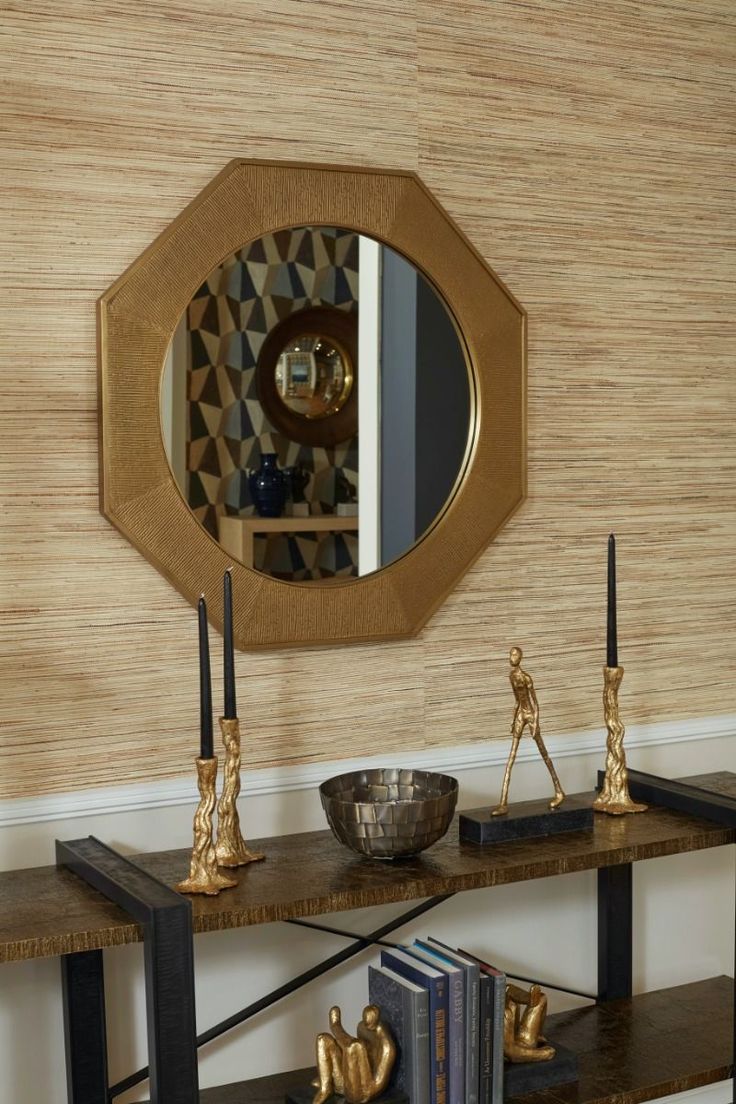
526	819
307	1093
528	1077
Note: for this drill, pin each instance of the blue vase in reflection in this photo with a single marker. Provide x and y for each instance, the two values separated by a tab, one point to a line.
268	487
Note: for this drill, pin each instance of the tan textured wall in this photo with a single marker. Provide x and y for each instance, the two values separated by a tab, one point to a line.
587	150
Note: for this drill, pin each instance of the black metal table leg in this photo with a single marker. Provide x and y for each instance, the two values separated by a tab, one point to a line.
615	932
85	1034
172	1034
166	919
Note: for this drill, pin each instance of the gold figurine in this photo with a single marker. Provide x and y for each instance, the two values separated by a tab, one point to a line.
356	1068
526	715
614	797
231	849
204	877
522	1032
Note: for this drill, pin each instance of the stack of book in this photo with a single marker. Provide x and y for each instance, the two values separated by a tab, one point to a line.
445	1009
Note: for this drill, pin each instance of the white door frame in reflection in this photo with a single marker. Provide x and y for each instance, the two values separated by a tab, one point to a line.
369	405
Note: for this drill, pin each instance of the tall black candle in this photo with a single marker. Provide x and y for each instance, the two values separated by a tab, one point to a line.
228	656
611	629
205	685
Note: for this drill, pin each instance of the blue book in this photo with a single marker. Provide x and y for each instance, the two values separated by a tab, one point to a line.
499	1008
435	982
472	1014
405	1008
456	1020
498	992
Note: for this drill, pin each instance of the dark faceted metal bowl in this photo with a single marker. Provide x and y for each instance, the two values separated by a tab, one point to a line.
389	813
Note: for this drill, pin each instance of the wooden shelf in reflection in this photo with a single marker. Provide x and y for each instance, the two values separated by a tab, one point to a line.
237	535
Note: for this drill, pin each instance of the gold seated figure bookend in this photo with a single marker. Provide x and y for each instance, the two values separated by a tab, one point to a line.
526	715
522	1031
356	1068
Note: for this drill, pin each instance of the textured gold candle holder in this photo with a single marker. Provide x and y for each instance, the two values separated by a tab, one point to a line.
231	849
615	798
204	877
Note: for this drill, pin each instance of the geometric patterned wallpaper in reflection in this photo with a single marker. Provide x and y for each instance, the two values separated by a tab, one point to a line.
228	320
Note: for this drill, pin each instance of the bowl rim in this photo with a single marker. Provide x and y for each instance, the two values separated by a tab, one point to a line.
452	791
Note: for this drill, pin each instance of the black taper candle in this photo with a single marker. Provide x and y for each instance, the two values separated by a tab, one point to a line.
205	685
228	654
611	628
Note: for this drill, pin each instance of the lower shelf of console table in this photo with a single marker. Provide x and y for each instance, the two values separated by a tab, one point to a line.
629	1051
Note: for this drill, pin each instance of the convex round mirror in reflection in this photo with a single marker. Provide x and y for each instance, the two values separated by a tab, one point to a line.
317	404
313	376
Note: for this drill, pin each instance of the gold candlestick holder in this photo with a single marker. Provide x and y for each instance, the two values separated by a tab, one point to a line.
204	877
615	798
231	848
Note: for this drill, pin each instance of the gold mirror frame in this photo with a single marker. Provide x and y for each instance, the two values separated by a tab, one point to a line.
137	319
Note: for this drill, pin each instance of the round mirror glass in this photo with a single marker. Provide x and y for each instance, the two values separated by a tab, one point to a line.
313	376
317	404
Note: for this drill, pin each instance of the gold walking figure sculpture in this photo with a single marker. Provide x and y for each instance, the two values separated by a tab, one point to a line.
526	715
522	1031
356	1068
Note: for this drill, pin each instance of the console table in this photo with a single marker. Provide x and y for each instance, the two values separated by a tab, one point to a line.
630	1048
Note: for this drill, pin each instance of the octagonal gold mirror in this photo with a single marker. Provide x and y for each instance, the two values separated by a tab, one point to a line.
312	377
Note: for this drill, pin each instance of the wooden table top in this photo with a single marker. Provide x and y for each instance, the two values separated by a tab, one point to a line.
46	912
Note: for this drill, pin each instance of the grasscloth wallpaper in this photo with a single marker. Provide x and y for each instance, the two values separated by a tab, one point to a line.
587	150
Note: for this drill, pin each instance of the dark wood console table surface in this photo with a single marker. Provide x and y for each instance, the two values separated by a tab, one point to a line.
46	911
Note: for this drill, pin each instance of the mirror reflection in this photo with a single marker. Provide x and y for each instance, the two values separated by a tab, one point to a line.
316	404
313	376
